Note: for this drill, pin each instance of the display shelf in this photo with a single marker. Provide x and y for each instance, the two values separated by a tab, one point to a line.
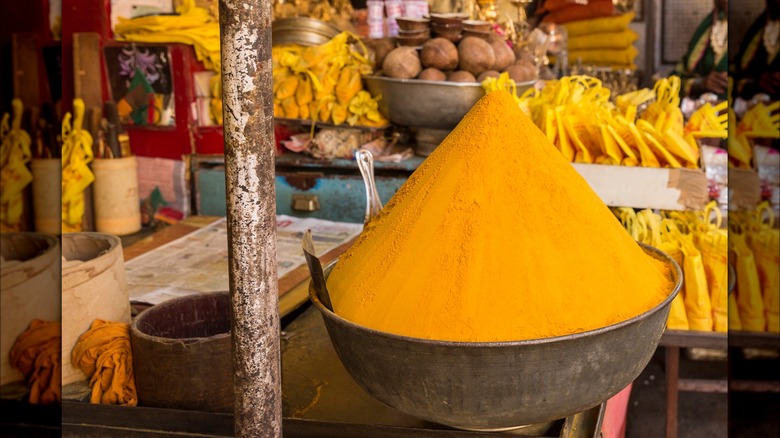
647	187
673	340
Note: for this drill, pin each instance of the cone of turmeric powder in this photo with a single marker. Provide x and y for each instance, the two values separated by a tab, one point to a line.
495	237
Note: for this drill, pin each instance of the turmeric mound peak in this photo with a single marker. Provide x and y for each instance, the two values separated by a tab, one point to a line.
495	237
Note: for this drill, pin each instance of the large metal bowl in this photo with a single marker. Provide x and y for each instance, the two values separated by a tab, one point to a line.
499	385
427	104
303	31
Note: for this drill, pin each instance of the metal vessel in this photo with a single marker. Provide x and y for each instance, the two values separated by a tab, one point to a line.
499	385
427	104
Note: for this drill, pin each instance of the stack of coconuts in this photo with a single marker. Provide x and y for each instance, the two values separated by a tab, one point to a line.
473	59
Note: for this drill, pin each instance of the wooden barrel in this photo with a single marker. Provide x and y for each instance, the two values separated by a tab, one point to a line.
96	288
30	289
182	354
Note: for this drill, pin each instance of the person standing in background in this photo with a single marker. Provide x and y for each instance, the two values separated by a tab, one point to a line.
757	66
704	66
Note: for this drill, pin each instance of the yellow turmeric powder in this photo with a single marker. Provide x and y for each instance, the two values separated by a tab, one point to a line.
495	237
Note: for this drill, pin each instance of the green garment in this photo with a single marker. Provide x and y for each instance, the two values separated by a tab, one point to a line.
754	60
699	60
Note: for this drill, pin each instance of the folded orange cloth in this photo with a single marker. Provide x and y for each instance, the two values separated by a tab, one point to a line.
36	353
103	353
580	12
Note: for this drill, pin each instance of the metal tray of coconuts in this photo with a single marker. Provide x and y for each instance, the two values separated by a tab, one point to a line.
434	86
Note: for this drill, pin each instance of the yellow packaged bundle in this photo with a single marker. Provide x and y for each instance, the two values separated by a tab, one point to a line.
444	261
76	174
14	175
326	83
577	116
619	58
608	40
616	23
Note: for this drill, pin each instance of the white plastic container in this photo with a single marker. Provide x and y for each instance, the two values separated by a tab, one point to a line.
96	288
29	289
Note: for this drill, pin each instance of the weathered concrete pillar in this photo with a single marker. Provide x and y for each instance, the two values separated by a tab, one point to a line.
247	83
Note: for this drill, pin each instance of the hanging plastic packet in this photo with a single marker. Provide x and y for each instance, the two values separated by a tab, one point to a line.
14	175
750	304
765	242
697	298
76	175
712	241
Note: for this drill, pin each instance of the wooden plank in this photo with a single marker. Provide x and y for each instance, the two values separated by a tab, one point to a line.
692	338
166	235
87	69
754	386
745	339
26	72
703	385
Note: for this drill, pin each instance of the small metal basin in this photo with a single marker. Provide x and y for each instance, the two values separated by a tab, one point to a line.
499	385
427	104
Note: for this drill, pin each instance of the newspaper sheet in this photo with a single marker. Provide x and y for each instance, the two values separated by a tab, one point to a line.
198	262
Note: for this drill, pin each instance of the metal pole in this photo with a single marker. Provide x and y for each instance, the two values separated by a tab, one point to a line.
245	36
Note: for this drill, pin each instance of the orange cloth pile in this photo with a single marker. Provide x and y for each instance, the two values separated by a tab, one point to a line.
103	353
564	11
36	353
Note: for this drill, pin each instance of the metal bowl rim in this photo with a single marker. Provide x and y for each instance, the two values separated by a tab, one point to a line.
650	250
440	83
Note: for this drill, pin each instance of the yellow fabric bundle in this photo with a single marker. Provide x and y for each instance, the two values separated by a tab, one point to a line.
36	353
617	23
603	41
103	353
609	40
617	58
193	26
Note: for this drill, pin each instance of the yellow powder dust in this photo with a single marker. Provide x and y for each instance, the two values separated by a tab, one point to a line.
495	237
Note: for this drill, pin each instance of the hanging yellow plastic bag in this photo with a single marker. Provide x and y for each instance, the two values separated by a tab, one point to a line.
14	175
765	243
76	175
648	227
697	297
713	244
749	301
735	323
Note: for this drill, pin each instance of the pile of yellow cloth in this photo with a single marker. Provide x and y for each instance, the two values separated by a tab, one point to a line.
36	353
193	25
103	352
605	41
